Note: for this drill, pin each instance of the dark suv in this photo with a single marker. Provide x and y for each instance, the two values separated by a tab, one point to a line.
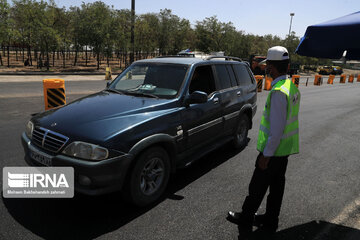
156	116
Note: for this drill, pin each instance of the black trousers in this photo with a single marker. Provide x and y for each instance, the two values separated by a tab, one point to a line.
274	178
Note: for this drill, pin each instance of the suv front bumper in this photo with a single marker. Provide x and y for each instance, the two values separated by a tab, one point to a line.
91	178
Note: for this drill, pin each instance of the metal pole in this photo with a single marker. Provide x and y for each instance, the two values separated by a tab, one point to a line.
132	31
291	17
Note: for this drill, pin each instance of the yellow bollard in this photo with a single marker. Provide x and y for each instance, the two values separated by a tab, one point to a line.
268	81
259	81
351	78
296	80
331	79
342	78
318	80
358	78
54	93
108	73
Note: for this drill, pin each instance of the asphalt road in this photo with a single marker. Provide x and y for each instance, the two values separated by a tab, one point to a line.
321	201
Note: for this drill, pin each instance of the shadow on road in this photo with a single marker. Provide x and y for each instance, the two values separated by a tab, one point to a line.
84	217
315	230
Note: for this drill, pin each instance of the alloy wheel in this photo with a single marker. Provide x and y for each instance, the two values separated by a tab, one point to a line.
152	176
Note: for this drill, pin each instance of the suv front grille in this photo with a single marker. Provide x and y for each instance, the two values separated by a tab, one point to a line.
48	139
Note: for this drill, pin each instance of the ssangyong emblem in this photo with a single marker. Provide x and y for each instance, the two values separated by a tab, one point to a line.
53	124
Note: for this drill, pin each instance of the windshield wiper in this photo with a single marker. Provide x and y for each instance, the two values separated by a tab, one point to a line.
141	94
114	90
134	88
131	93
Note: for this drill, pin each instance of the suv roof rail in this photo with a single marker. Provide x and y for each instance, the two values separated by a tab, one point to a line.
226	58
179	56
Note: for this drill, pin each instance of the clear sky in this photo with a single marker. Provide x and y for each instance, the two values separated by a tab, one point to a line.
251	16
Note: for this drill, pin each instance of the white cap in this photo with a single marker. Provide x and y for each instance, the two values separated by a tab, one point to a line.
277	53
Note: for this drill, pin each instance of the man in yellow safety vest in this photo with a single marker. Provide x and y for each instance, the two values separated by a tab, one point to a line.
278	138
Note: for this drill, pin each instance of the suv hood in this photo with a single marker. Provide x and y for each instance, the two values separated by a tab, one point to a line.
100	116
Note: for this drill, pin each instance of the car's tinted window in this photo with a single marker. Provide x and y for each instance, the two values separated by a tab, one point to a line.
232	75
202	80
242	75
223	76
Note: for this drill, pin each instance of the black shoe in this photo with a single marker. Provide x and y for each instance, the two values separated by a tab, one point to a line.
259	220
234	217
244	222
239	218
265	231
265	224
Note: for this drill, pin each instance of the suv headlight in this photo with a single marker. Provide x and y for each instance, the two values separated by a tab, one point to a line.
86	151
29	129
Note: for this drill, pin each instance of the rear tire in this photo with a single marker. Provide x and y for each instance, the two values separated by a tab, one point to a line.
149	177
241	132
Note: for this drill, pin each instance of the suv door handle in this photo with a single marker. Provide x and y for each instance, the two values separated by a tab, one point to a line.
216	100
238	93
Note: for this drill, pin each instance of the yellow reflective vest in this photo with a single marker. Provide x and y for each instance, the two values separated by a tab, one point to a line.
289	143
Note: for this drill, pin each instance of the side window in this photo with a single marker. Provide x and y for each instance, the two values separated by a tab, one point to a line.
242	75
223	76
202	80
232	75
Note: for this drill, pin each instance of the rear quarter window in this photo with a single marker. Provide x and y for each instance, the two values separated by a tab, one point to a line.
242	75
223	76
232	75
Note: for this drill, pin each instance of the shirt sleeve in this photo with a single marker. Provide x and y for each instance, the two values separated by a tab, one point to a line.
278	111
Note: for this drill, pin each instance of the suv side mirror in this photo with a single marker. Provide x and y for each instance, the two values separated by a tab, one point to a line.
108	84
196	97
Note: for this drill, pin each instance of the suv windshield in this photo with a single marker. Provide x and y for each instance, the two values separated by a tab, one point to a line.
146	79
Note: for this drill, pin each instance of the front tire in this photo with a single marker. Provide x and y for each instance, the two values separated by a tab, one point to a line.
241	132
149	177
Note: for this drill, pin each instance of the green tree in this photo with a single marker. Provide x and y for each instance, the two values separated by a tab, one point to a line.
49	24
291	42
146	33
4	26
213	35
77	33
27	15
168	26
121	33
240	46
41	26
184	36
9	34
97	15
